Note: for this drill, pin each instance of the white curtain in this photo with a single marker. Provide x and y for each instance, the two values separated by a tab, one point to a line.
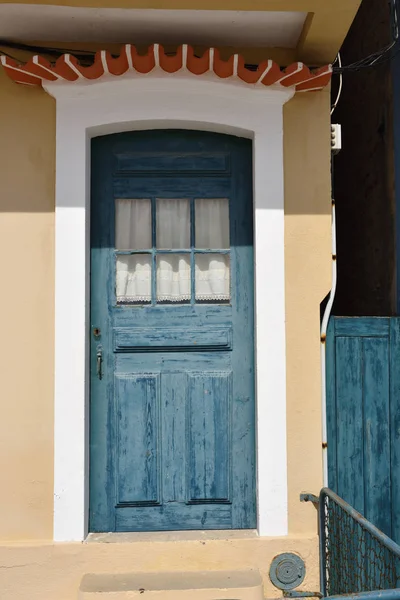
133	232
134	278
133	224
212	224
173	224
212	232
173	277
212	277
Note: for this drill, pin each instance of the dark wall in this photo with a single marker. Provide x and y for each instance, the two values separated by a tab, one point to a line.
364	173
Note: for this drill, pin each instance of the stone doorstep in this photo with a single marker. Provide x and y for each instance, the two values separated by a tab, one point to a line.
202	585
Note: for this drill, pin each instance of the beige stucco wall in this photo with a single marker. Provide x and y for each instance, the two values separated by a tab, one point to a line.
308	280
27	159
34	567
53	572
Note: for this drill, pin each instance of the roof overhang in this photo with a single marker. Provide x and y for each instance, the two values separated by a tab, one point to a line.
315	29
266	29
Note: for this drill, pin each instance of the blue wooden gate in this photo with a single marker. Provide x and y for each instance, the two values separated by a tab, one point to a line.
363	417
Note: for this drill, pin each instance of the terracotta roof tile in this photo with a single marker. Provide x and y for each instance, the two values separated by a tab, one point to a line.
38	70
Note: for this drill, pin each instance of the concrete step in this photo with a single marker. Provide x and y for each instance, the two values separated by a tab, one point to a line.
202	585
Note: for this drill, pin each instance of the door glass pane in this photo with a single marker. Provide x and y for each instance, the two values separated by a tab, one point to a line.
212	223
133	278
173	278
133	224
212	277
173	224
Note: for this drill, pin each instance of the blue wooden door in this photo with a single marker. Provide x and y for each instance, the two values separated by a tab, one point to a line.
363	416
172	411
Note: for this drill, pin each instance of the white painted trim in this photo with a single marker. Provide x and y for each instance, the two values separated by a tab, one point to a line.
114	105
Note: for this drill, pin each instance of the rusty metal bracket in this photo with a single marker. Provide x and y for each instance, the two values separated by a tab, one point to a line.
306	497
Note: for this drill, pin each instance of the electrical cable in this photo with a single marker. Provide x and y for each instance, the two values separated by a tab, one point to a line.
9	55
85	57
45	49
381	56
334	105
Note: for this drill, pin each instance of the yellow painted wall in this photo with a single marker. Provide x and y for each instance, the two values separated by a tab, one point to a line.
39	569
54	571
27	164
308	280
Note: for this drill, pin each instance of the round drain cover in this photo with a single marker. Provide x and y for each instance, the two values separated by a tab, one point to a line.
287	571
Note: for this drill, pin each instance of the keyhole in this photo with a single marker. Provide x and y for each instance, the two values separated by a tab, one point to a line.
96	332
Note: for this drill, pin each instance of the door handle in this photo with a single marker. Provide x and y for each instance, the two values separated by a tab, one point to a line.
99	360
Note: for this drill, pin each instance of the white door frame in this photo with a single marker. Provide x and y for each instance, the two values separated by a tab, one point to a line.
115	104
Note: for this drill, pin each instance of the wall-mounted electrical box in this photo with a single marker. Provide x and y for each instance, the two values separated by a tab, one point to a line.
336	138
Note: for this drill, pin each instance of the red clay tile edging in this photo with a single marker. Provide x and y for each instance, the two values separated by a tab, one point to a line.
38	70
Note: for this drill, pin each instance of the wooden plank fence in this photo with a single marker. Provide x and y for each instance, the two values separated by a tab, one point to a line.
363	415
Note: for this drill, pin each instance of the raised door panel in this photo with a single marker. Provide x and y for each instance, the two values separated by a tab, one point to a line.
209	429
138	447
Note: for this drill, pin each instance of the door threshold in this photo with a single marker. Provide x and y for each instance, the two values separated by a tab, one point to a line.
171	536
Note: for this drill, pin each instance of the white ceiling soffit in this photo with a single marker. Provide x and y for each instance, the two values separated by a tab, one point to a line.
26	22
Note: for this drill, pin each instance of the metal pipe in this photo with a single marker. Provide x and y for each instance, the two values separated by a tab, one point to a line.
322	530
324	327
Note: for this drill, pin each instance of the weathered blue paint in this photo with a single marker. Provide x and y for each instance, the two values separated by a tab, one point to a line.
363	417
394	366
361	326
154	339
172	441
175	163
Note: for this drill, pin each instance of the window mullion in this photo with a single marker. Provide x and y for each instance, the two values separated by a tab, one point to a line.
192	257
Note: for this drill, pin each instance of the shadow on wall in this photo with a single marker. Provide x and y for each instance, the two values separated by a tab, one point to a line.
27	152
307	154
27	122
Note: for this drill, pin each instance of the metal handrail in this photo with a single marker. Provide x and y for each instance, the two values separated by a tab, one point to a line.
357	558
375	595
